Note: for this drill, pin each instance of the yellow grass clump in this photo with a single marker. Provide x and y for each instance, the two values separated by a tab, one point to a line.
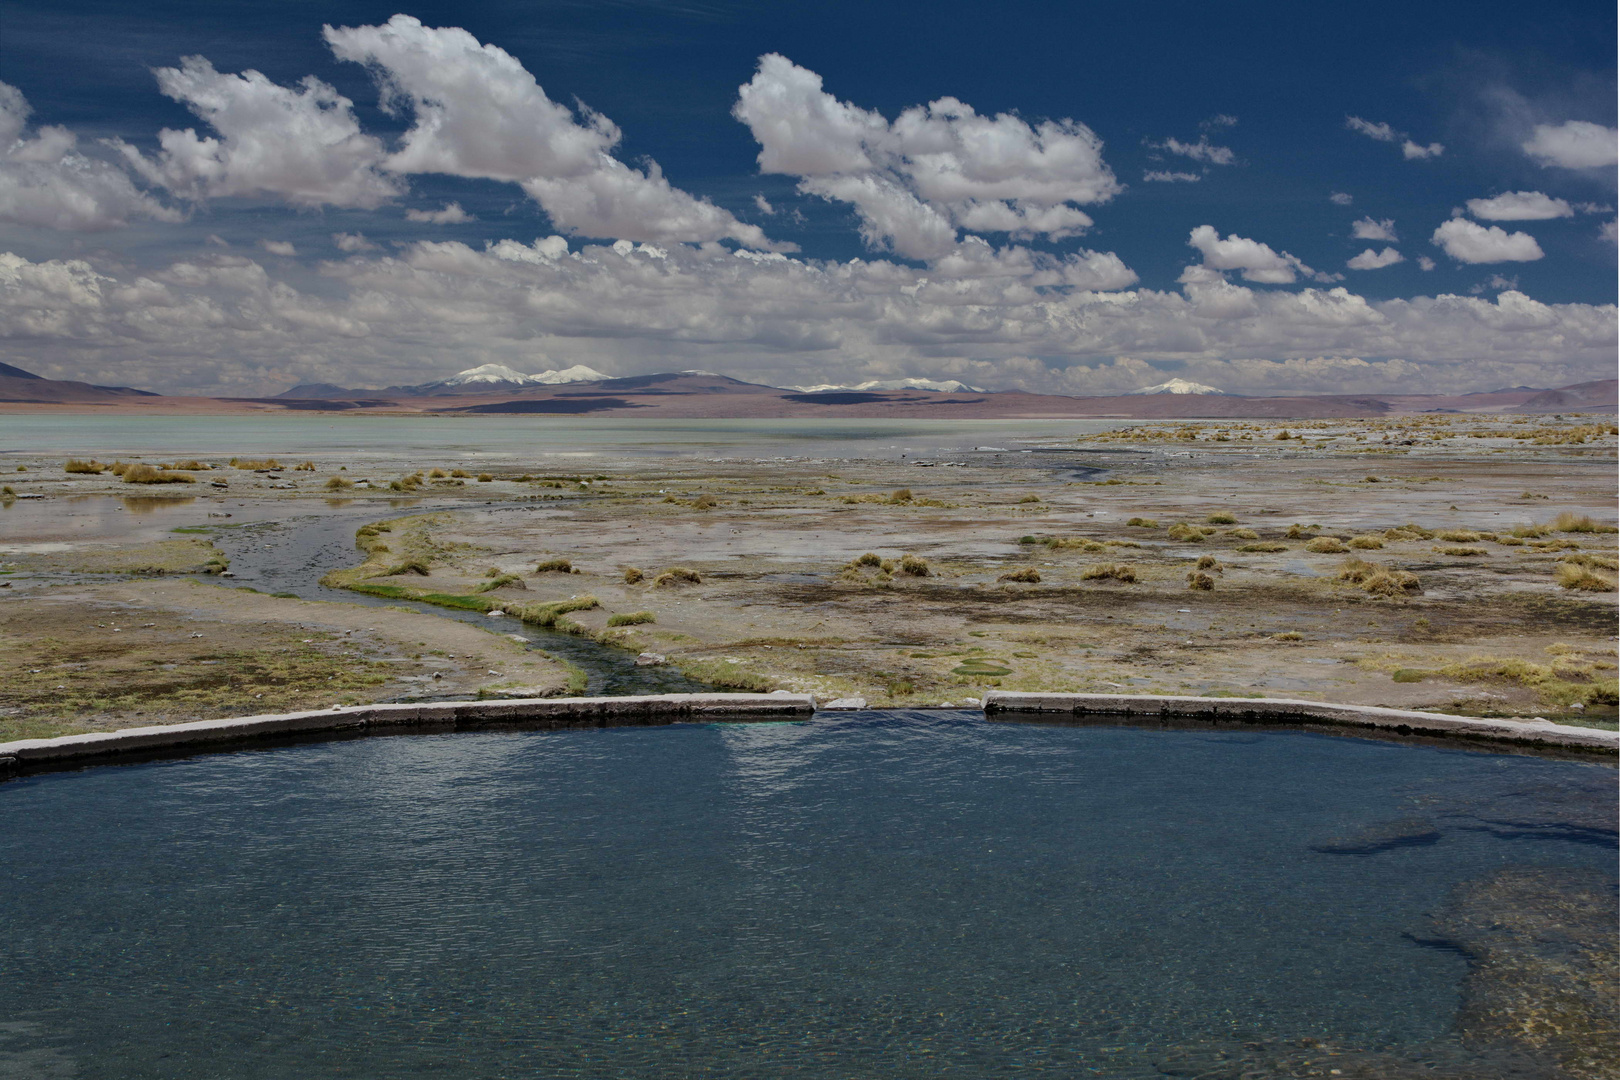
1572	575
1367	542
631	618
89	468
255	464
1267	546
1197	579
914	566
633	575
1143	523
677	575
1027	574
338	483
1105	571
147	474
1326	545
555	566
1222	517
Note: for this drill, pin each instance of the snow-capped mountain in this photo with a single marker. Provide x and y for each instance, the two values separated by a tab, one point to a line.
1179	386
943	386
501	375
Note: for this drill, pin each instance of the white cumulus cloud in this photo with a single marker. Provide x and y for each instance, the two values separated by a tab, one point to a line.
1164	177
1341	198
1202	150
1368	229
279	247
478	113
1520	206
1574	144
1375	260
450	213
301	144
1469	242
932	170
1412	151
47	183
1381	132
352	242
1257	261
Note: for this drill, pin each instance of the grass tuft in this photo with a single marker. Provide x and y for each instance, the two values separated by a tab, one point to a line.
1326	545
914	566
631	618
1367	542
1027	574
1267	546
554	566
633	575
1222	517
1571	575
1124	572
677	575
500	581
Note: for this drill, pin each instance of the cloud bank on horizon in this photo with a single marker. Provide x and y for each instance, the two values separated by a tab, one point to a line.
981	232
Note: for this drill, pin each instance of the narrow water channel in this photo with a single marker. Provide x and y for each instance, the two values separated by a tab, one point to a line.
292	556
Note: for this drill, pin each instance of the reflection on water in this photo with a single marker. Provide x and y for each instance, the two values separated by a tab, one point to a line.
151	504
880	894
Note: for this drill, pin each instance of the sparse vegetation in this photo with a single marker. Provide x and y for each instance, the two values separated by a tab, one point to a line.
1143	523
1242	534
1222	517
1210	562
1326	545
1027	574
500	581
1571	575
408	566
914	566
90	468
1264	547
1376	579
1124	572
308	466
1462	552
1030	499
631	618
1288	635
1197	579
1367	542
677	575
1297	531
1570	522
339	483
147	474
633	575
705	502
485	478
554	566
1190	534
256	464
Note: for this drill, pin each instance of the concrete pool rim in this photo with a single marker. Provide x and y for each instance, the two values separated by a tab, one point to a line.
75	751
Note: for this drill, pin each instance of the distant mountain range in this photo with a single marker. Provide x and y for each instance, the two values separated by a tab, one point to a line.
494	388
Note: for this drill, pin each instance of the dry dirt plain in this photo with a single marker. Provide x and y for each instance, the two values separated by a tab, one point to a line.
1221	558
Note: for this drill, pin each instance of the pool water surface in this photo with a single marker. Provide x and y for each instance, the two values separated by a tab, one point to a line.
876	894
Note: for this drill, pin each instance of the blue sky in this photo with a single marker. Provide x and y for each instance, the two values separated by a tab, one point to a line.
1067	198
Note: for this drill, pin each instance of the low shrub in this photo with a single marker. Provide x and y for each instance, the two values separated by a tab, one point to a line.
460	474
631	618
1297	531
1197	579
1189	534
554	566
501	581
338	483
1586	558
1458	536
1209	562
1242	534
1265	546
1104	571
868	559
633	575
1569	521
1027	574
1462	552
147	474
256	464
1392	583
550	616
677	575
1326	545
1367	542
914	566
485	478
1030	499
1356	570
90	468
1410	675
1288	635
437	474
1222	517
903	495
1571	575
1143	523
1408	532
705	502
